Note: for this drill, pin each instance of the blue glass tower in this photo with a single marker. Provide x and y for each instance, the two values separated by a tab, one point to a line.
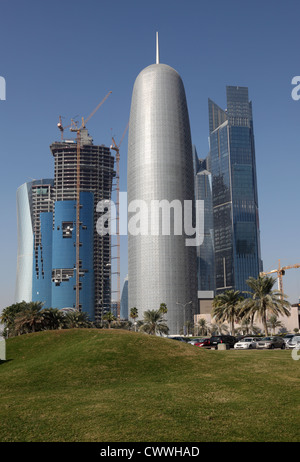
205	252
232	164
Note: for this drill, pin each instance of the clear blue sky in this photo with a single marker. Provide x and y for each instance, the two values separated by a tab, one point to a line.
62	57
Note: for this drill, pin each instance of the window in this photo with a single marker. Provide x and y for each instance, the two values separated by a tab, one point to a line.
67	228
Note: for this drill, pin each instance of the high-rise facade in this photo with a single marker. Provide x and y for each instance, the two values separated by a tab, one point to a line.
161	267
205	251
124	314
231	162
33	198
96	176
47	225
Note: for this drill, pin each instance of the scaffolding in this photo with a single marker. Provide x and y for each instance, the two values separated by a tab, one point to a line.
95	174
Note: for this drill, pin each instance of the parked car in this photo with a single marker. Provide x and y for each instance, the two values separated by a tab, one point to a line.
246	343
205	343
288	337
271	342
228	339
195	340
180	339
294	342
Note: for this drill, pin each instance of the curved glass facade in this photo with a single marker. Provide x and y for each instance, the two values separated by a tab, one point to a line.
23	289
124	301
161	268
234	192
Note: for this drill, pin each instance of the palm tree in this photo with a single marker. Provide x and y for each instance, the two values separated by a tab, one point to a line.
9	314
30	319
217	327
134	315
77	319
226	307
109	317
163	308
264	300
53	319
202	326
154	323
273	323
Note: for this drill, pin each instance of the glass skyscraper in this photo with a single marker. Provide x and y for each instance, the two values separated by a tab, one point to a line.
231	161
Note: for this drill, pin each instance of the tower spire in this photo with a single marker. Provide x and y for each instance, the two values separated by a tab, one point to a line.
157	49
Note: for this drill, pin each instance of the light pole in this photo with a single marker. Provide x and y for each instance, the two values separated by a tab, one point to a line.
184	305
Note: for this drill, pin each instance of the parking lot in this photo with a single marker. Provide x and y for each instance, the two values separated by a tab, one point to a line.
246	342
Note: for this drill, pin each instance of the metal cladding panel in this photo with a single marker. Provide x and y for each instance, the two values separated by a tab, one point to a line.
23	289
41	285
64	254
161	268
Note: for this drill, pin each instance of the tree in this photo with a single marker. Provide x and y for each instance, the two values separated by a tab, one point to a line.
30	319
53	319
202	326
76	319
163	308
8	316
189	327
226	307
273	322
109	317
154	323
264	300
134	315
217	328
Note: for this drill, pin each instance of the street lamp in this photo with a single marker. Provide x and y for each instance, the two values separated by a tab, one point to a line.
184	305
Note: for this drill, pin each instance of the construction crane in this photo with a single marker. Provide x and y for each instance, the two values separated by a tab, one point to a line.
62	128
116	148
75	128
280	271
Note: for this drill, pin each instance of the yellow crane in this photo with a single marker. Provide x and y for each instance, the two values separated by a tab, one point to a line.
75	128
280	271
62	128
116	148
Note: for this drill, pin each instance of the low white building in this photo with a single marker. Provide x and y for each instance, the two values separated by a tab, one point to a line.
205	300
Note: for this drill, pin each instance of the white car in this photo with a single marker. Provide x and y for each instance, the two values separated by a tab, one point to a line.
246	343
294	342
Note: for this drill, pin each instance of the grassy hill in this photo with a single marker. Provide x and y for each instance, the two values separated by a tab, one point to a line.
117	386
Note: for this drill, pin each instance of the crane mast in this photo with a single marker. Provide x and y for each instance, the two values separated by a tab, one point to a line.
280	271
75	128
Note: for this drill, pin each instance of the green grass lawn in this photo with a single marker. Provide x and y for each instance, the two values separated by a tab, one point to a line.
88	385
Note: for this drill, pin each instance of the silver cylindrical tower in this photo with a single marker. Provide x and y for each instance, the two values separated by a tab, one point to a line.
161	268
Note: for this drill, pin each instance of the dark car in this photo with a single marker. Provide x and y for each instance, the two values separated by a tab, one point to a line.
204	343
227	339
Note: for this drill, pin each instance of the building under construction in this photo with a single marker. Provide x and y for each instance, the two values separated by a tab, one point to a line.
61	278
96	176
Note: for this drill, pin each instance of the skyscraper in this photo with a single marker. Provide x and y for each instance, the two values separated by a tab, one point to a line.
205	251
124	300
161	268
96	176
232	164
46	212
33	198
